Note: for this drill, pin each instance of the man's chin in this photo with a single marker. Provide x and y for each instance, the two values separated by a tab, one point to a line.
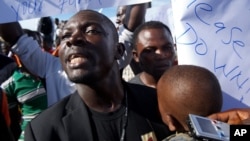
76	80
157	75
82	79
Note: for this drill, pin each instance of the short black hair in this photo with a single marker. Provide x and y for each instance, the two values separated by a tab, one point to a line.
148	25
35	34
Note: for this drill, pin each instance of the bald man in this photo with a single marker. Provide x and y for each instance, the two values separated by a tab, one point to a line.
187	89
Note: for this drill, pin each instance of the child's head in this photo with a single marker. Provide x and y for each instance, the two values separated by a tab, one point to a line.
185	89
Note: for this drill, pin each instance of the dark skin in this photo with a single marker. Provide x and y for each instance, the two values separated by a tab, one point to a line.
88	54
95	49
131	16
155	53
233	116
186	89
120	15
135	16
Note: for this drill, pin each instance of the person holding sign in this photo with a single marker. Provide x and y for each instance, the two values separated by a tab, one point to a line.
120	16
129	17
49	67
104	107
38	62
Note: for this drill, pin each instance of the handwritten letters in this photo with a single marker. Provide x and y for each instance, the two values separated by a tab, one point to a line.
215	34
16	10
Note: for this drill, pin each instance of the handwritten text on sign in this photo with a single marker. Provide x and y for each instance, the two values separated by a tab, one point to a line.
16	10
215	34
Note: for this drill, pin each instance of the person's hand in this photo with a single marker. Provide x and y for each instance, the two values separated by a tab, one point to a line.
233	116
10	32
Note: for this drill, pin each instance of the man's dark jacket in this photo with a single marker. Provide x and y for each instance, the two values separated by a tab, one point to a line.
68	120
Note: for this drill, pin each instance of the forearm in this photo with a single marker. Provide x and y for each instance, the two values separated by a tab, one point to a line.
135	16
33	58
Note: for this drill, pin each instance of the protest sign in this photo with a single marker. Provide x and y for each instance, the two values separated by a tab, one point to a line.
215	34
17	10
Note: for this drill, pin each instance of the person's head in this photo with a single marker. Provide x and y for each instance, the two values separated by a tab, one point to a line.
187	89
153	48
120	15
48	42
46	27
59	27
35	34
89	47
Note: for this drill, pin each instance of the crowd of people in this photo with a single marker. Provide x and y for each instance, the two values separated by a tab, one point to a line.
72	88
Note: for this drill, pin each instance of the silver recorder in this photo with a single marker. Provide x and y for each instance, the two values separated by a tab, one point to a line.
203	128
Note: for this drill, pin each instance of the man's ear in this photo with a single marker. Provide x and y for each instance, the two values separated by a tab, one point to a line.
135	55
170	122
120	51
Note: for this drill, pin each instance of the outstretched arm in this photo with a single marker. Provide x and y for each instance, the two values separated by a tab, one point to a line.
28	50
135	16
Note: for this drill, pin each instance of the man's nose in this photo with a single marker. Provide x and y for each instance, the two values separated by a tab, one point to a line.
77	39
158	51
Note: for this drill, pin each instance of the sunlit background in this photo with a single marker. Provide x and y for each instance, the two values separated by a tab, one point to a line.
157	6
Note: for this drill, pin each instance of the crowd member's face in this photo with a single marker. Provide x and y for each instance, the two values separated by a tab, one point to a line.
88	48
155	51
120	15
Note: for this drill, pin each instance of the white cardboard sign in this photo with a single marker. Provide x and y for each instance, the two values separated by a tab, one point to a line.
16	10
215	34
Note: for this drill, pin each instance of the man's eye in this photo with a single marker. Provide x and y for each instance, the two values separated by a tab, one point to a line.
93	31
65	36
150	49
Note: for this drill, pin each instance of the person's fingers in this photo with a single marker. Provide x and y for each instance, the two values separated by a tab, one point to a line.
243	114
224	117
213	116
246	122
233	116
237	116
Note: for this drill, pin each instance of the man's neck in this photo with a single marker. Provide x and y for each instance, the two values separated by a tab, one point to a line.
148	80
104	97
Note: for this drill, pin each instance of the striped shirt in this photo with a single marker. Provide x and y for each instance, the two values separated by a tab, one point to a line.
27	92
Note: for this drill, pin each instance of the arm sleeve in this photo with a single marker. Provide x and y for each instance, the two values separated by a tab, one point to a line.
38	62
125	37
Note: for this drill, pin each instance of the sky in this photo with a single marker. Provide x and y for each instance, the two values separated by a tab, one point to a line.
110	12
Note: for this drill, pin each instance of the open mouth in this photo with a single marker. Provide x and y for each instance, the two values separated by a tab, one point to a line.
76	59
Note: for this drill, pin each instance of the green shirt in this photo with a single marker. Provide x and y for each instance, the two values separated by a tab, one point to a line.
27	92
